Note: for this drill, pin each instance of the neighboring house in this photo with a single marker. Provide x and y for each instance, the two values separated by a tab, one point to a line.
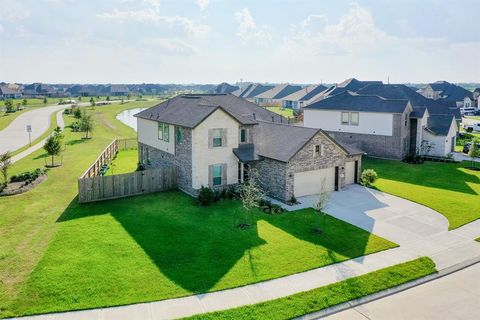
274	96
352	85
381	127
225	88
443	90
251	91
476	98
303	97
8	92
216	139
116	90
40	90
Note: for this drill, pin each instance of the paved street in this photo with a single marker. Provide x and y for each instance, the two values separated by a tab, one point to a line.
455	296
419	230
15	135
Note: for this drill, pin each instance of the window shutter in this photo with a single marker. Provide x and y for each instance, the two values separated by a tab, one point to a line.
210	138
210	176
224	174
224	137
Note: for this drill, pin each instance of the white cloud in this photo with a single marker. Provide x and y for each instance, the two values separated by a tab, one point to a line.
202	4
248	30
152	16
170	46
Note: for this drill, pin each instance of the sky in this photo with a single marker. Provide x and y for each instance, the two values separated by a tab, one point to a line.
211	41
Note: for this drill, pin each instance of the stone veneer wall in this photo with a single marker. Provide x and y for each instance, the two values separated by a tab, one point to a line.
272	177
389	147
182	160
305	160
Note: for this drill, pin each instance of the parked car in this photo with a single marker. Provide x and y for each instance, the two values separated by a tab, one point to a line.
466	147
472	127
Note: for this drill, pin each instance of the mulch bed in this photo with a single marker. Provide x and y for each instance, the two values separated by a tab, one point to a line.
473	168
14	188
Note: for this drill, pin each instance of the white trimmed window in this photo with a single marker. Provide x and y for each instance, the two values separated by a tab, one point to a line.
217	138
217	175
243	135
345	118
354	118
163	131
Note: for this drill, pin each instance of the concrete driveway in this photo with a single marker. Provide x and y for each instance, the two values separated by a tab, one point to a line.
418	230
15	135
455	296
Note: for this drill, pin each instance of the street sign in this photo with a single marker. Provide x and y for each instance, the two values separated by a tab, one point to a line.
29	128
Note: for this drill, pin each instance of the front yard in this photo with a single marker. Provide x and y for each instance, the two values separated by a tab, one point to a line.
163	245
448	188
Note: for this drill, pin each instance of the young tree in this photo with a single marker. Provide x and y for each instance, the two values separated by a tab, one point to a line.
251	193
77	113
5	164
319	206
45	100
474	151
53	146
86	124
9	106
128	96
24	103
107	98
92	102
18	106
425	147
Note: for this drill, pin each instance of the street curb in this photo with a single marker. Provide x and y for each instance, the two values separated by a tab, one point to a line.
391	291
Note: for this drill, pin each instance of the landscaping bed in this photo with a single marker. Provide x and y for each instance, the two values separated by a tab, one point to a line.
23	182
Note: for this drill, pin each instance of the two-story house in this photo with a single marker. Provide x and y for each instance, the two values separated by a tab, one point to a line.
216	139
448	92
382	127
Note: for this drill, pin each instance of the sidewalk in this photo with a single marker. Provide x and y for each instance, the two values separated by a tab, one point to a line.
40	144
418	230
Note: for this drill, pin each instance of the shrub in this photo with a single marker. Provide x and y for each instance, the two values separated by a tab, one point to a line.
293	200
27	176
140	167
368	177
270	208
206	197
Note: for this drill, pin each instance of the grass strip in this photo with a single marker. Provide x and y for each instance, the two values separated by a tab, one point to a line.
321	298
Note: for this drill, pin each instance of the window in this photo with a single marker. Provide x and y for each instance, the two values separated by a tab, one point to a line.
160	131
406	120
179	135
354	118
217	138
217	175
317	150
345	116
166	132
243	135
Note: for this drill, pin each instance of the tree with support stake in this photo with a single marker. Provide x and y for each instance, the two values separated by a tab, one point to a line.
319	208
474	152
251	195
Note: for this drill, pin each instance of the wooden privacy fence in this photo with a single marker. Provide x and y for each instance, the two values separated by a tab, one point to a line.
94	187
107	155
126	184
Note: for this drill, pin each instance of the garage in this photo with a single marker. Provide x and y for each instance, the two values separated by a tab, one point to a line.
350	172
310	182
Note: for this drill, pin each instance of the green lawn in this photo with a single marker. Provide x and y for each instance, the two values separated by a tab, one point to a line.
321	298
126	161
285	112
448	188
58	255
27	221
172	247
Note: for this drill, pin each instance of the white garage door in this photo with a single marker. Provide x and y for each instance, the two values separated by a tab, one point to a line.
310	182
350	172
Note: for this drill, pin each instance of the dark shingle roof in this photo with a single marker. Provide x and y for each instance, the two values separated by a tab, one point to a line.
450	91
190	110
306	93
280	91
439	124
225	88
255	90
246	152
353	102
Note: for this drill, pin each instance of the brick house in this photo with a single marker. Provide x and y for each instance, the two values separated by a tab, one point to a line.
216	139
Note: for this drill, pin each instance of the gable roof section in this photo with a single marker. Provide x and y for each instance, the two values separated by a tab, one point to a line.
282	141
278	92
450	91
439	124
352	102
225	88
306	93
190	110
